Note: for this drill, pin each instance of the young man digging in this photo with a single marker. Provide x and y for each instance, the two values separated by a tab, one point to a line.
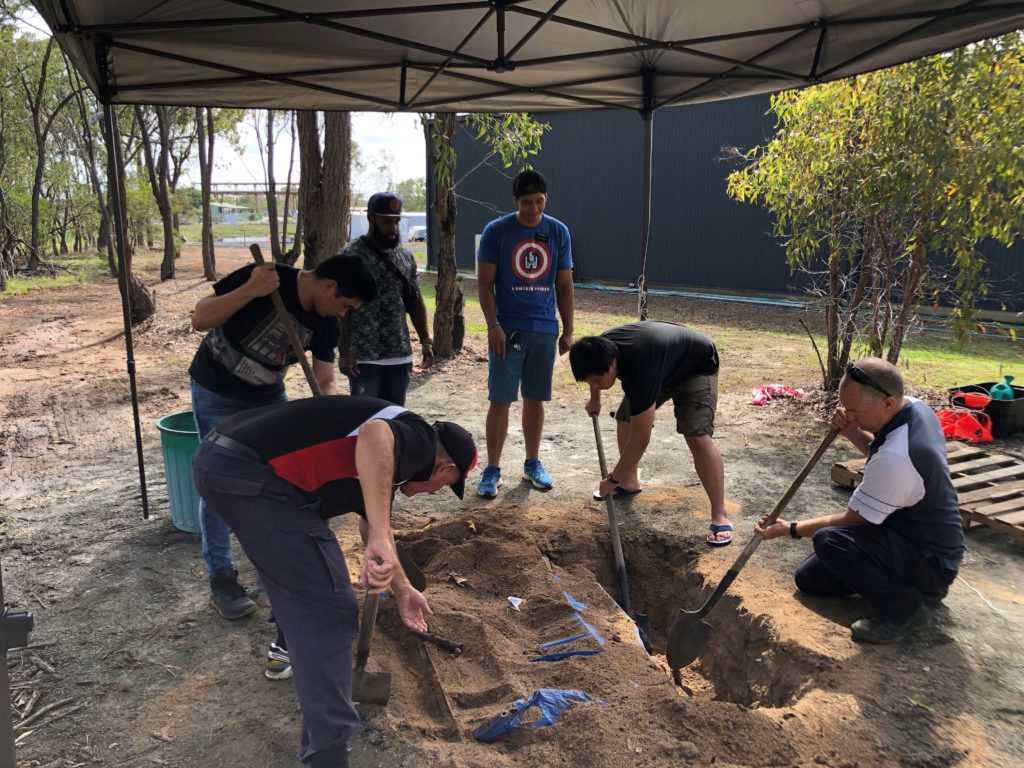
655	362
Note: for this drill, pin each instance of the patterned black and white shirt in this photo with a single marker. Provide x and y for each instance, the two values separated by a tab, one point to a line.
378	331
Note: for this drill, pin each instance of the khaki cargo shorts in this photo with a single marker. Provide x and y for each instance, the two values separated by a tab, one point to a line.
694	402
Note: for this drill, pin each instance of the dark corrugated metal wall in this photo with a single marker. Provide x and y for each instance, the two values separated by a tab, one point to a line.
699	237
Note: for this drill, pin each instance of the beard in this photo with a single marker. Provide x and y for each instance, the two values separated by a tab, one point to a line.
384	241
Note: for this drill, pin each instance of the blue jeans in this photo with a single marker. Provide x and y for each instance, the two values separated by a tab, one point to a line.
210	409
388	382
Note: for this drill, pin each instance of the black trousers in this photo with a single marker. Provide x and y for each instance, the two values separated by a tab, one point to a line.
305	577
884	567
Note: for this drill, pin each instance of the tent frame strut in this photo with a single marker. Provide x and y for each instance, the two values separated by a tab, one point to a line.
110	134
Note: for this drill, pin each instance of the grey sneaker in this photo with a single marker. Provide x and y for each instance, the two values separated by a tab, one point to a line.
229	597
279	663
886	632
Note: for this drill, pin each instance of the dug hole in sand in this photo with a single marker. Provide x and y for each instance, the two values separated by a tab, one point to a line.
749	700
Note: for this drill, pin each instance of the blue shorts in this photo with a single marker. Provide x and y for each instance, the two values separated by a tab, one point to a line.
532	364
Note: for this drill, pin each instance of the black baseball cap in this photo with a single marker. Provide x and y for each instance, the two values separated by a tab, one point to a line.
529	183
384	204
458	443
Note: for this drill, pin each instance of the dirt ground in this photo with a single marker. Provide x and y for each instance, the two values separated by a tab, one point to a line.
137	670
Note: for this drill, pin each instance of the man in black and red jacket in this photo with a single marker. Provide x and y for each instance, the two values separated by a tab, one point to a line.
276	475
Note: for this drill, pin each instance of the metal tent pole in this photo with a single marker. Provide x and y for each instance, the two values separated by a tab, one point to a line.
14	629
647	115
117	202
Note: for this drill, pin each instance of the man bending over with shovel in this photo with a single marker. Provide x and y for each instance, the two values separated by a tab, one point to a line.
275	475
655	362
900	541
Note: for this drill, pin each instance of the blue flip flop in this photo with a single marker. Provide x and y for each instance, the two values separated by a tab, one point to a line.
715	528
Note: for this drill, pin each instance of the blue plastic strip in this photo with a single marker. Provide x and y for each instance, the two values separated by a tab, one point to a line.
590	630
563	655
563	641
575	604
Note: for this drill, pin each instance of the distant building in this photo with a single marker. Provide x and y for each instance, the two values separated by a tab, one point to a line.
229	213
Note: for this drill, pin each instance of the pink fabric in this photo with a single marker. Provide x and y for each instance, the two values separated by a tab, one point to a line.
765	393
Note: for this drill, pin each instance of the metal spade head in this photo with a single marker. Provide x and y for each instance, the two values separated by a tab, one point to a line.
371	687
686	638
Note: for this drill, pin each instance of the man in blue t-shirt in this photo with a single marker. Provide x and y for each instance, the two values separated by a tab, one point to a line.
900	541
524	269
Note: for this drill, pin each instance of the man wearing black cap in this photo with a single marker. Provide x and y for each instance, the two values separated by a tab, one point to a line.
276	474
524	268
375	352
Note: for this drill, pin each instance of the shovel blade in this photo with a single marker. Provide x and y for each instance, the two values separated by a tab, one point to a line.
371	687
686	638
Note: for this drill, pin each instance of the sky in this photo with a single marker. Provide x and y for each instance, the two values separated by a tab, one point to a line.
399	134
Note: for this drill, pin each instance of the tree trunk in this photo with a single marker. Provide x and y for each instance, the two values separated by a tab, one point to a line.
157	171
449	292
204	118
911	287
142	302
275	243
324	184
105	239
292	254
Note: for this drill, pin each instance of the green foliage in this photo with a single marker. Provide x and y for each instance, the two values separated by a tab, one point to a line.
877	179
510	137
413	193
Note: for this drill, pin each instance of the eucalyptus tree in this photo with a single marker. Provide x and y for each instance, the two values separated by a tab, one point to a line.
881	183
510	138
45	92
325	176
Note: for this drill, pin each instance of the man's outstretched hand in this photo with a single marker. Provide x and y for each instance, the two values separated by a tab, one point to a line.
413	608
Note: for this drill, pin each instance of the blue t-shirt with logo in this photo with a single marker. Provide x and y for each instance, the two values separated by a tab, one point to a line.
528	259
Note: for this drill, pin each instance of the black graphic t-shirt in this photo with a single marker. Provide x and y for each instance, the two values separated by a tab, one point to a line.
247	357
311	443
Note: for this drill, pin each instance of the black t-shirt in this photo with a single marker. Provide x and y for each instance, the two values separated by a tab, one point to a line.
247	357
655	356
311	443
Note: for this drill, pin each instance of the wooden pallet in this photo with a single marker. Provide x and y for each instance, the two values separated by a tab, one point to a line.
989	486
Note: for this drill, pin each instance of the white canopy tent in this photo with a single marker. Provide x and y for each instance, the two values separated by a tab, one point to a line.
489	56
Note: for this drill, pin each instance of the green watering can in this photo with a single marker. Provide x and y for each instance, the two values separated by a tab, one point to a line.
1002	390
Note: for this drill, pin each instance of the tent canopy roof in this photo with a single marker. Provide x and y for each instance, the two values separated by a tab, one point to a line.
496	55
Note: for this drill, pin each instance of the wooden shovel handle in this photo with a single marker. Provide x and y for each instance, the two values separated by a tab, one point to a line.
289	327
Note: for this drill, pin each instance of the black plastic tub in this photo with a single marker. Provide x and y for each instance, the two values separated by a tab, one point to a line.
1007	415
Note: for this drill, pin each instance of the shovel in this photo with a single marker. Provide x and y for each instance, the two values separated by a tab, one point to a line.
289	326
369	687
643	623
689	632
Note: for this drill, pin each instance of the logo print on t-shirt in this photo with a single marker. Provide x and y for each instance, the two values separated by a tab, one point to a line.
531	260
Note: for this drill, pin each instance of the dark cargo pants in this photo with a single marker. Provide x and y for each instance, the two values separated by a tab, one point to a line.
885	568
306	580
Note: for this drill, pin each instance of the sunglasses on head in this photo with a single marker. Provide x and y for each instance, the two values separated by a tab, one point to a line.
861	377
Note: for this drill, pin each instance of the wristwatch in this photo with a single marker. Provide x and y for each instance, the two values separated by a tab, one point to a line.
792	530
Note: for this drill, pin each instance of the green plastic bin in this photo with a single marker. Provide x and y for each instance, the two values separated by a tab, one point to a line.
179	440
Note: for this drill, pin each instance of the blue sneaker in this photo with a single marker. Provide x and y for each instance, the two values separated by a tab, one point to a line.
534	471
489	482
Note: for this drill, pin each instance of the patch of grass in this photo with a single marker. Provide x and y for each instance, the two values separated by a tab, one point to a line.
72	269
255	230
